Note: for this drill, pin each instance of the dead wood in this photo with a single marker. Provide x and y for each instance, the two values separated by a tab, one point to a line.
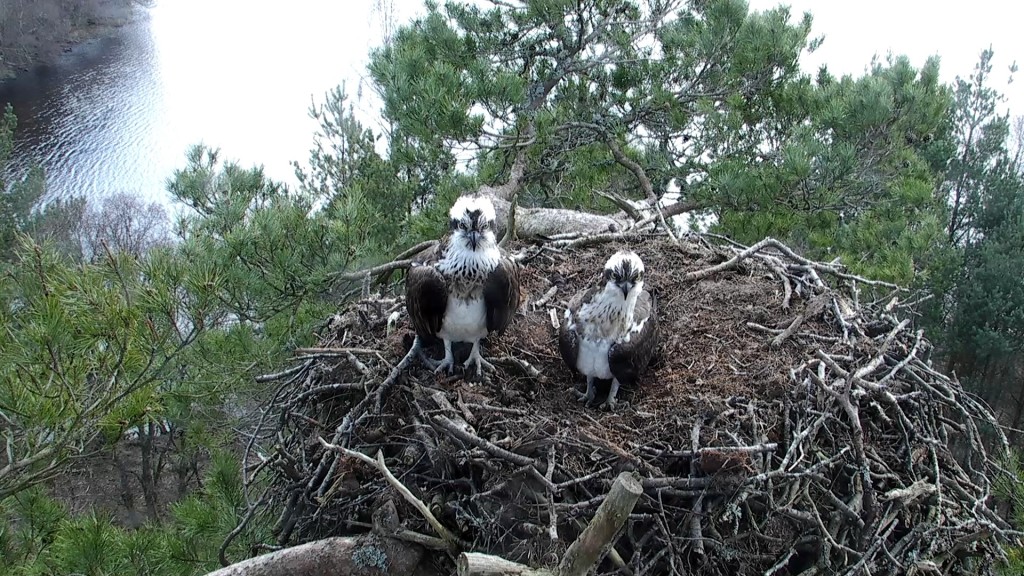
600	533
356	556
790	422
476	564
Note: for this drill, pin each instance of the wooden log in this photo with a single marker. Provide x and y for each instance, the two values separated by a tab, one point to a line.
359	556
595	540
476	564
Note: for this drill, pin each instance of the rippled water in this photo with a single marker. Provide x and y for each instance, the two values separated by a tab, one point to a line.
117	115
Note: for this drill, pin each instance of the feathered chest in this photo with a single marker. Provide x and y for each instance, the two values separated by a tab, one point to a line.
605	318
465	272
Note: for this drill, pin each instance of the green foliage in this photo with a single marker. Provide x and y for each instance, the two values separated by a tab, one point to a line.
38	536
1009	488
979	144
31	522
267	255
361	191
81	342
17	199
987	325
670	86
852	179
982	308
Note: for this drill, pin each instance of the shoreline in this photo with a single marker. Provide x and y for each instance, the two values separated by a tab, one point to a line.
107	26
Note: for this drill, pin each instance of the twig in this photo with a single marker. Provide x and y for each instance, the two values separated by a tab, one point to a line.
814	307
415	249
521	364
696	535
329	352
378	463
367	272
546	297
454	430
388	382
222	551
552	513
284	373
637	170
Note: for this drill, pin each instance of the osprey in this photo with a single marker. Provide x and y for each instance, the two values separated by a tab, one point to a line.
611	330
465	288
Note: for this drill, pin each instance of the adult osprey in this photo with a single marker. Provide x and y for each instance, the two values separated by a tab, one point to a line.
611	330
465	288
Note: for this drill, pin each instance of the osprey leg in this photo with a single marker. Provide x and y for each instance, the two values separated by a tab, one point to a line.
591	392
612	392
476	358
449	358
421	353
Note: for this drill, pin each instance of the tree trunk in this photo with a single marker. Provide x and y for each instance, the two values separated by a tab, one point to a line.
186	466
360	556
146	434
125	484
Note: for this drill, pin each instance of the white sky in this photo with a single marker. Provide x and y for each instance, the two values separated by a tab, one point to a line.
955	31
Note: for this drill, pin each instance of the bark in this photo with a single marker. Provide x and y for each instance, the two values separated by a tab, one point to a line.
540	222
474	564
359	556
147	478
603	529
534	222
124	483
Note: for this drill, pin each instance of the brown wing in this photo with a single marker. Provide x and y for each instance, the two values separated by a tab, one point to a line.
568	339
501	295
628	360
426	294
568	345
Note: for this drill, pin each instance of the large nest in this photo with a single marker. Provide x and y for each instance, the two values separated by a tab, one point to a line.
790	423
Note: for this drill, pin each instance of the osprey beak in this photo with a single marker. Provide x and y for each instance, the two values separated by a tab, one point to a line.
474	239
625	287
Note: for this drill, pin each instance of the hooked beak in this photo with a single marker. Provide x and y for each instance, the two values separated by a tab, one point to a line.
625	287
474	239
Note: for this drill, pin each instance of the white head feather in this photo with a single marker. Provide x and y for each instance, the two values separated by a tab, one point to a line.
473	245
624	259
467	204
609	314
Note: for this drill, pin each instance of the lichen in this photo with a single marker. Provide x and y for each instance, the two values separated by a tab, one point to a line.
371	556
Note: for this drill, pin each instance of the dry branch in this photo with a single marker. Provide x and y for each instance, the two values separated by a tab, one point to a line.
476	564
359	556
600	534
378	463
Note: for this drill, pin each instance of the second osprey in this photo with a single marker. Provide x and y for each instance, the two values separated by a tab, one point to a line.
465	288
611	330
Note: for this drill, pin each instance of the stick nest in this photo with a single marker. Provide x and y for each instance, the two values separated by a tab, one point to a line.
790	423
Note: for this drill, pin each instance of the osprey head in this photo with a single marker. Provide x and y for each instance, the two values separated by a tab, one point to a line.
472	223
624	271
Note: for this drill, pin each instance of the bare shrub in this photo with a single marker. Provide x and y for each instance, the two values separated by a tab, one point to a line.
125	223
